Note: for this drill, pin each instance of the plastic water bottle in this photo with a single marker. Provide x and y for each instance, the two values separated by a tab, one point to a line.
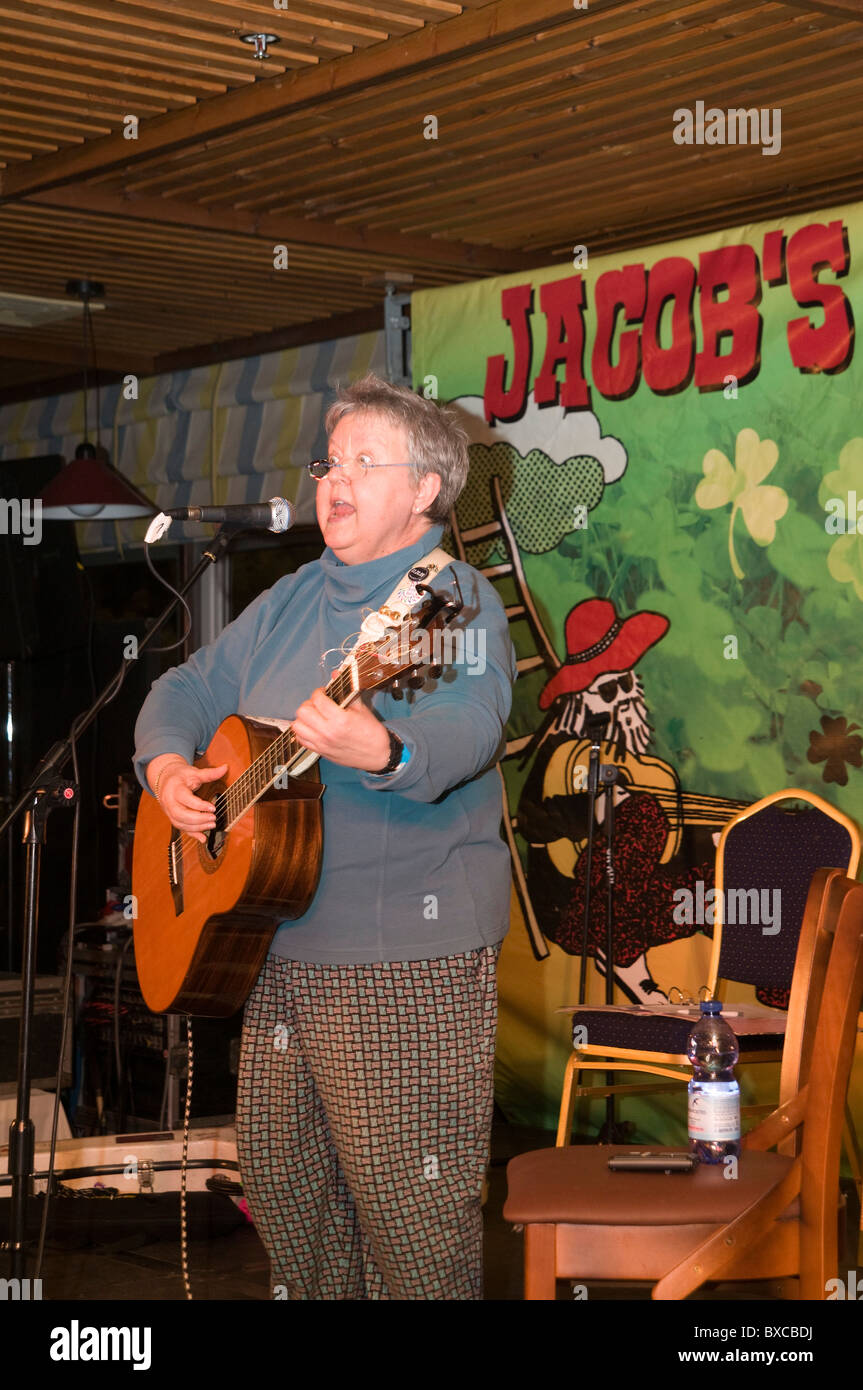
714	1095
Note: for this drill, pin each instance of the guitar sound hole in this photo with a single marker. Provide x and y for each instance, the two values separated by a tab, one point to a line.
216	840
215	843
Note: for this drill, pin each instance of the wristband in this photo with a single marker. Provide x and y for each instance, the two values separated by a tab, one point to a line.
162	773
398	755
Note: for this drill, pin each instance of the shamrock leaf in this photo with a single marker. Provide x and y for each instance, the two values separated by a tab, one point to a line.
741	485
848	477
836	745
717	489
762	508
845	561
845	558
754	458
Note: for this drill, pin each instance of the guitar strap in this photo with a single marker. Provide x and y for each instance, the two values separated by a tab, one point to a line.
404	596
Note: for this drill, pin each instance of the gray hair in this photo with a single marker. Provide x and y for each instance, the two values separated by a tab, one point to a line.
436	442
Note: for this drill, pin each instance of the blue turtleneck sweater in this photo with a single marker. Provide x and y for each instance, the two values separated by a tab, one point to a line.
414	865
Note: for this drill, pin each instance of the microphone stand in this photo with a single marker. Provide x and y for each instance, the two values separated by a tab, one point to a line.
594	726
46	789
608	773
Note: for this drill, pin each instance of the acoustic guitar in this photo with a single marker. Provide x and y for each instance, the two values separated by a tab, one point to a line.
205	914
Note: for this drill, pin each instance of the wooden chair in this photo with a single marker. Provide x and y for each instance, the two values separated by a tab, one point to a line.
764	847
778	1219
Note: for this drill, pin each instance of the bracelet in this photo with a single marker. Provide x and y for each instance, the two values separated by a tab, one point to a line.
162	772
397	749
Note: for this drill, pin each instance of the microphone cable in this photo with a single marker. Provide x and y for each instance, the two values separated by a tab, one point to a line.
172	646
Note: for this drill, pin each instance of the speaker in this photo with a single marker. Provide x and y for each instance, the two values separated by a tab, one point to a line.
47	1031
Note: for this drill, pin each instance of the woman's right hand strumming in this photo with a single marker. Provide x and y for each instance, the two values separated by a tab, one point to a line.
174	782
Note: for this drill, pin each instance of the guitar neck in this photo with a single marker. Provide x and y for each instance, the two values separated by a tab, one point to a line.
696	809
716	812
709	810
284	753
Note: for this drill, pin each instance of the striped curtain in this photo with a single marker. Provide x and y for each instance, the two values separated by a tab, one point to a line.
233	432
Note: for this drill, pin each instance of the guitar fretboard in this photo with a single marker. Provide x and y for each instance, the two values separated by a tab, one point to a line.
276	759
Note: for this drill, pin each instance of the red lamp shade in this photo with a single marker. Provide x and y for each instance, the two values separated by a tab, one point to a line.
89	489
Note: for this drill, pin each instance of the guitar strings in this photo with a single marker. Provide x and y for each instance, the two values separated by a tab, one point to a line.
256	779
695	800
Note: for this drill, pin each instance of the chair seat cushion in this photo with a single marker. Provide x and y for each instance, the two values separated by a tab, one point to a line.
574	1186
639	1032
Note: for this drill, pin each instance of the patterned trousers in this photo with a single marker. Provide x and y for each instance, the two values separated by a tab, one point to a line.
363	1121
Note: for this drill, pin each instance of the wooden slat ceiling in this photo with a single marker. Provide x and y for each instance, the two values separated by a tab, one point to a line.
554	128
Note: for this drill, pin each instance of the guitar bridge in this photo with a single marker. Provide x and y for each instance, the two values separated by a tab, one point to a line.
175	869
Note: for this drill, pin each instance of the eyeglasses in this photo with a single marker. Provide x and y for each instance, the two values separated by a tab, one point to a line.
608	689
338	468
687	999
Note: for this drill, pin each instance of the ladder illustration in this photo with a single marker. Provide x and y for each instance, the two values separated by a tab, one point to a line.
544	655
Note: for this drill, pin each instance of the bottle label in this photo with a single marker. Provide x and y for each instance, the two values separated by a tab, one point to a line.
714	1110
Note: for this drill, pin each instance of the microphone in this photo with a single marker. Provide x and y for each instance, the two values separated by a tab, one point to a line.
276	515
595	726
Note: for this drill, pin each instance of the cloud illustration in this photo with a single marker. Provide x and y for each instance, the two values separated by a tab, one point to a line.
553	470
559	434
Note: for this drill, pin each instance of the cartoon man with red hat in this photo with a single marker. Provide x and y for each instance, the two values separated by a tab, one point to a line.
597	682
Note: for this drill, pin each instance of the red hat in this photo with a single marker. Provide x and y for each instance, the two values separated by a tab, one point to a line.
597	642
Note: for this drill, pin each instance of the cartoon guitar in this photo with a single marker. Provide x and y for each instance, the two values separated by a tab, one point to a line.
567	773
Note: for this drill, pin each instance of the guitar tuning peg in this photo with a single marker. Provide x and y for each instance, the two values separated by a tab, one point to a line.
396	690
416	682
435	672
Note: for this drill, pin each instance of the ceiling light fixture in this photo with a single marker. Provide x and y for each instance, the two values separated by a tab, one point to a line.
88	488
32	311
261	42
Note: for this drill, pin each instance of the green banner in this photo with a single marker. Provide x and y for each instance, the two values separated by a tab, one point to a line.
677	443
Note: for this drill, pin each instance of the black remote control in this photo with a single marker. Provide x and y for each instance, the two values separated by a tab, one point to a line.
678	1161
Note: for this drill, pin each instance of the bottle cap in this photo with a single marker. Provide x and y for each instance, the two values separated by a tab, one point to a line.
711	1006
